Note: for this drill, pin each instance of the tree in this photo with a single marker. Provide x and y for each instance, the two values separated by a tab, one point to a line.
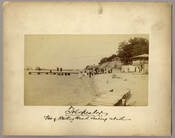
111	57
132	47
107	59
103	60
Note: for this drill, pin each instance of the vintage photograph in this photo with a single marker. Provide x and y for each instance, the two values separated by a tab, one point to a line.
86	70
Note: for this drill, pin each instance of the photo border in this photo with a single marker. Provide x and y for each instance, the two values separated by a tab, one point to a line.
173	64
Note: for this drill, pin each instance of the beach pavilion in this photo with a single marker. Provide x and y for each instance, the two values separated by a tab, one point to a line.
141	63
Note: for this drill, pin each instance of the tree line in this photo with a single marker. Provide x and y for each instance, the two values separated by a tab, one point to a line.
127	49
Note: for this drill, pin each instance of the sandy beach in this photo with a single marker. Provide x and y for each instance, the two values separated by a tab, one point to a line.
136	83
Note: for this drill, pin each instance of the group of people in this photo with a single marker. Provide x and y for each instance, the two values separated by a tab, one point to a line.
82	74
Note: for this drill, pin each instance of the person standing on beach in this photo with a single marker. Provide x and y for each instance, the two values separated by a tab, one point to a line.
90	73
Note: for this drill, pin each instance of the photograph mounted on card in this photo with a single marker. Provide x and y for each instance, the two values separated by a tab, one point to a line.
87	68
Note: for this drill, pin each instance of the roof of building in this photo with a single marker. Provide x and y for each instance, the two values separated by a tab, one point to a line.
91	67
141	56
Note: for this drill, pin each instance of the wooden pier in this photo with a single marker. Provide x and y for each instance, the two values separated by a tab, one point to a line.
65	73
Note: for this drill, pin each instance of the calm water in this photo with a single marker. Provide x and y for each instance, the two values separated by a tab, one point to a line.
57	90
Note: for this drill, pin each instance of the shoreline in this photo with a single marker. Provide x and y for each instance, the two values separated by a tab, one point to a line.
84	91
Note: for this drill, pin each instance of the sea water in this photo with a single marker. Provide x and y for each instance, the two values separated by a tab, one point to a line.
57	90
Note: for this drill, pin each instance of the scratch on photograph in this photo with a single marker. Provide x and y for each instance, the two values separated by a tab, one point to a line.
86	70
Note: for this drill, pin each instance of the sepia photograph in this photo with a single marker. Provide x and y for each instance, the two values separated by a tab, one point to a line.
86	70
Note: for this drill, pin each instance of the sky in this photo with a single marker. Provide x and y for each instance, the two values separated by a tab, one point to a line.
71	51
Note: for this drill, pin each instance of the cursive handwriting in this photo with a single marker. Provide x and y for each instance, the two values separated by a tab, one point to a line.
78	112
72	114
